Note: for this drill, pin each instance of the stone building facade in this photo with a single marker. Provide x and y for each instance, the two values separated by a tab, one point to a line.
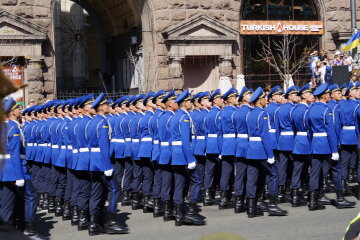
167	33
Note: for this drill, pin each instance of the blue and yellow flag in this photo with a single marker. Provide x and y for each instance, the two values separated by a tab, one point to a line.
352	43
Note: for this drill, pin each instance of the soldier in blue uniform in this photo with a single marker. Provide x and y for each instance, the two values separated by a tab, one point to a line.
135	144
260	157
81	169
125	127
199	123
15	182
165	154
213	146
99	133
285	135
242	141
302	148
155	153
228	148
145	149
349	134
183	160
324	148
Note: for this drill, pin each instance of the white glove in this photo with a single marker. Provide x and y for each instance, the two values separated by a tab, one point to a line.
20	183
335	156
109	173
271	160
220	157
192	165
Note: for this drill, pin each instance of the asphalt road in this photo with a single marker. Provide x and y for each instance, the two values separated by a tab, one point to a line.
299	224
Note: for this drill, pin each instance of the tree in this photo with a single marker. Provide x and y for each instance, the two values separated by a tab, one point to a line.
281	56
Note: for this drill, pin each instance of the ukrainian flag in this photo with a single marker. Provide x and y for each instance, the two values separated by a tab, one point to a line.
352	43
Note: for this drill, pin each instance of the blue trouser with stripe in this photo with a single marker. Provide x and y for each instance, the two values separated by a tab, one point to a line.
180	173
45	178
128	175
315	173
282	166
157	180
211	165
195	184
119	170
57	182
227	166
240	172
137	176
35	172
166	182
266	171
299	161
148	176
200	166
112	188
84	189
347	156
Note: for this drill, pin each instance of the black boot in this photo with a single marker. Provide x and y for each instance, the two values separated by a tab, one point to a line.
31	231
136	201
239	204
41	200
168	211
252	210
347	191
148	204
323	200
74	215
208	198
341	202
112	225
282	194
51	207
192	216
326	184
313	203
357	191
274	210
59	202
262	206
296	198
94	226
352	178
224	200
180	216
83	220
67	211
157	208
45	204
126	201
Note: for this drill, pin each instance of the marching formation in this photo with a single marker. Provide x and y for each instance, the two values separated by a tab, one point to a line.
165	153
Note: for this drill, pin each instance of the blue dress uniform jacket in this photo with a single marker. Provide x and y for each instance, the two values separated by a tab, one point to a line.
63	142
82	139
56	141
33	142
75	147
302	142
284	127
125	126
194	116
271	109
335	106
242	138
181	132
154	130
165	137
29	144
349	126
118	138
41	145
258	126
12	169
213	131
320	121
135	135
146	143
99	143
228	147
46	133
112	122
199	123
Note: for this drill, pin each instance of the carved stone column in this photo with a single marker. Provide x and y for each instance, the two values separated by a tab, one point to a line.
176	73
34	78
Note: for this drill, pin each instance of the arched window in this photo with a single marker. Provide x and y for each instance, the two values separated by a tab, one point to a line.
298	10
